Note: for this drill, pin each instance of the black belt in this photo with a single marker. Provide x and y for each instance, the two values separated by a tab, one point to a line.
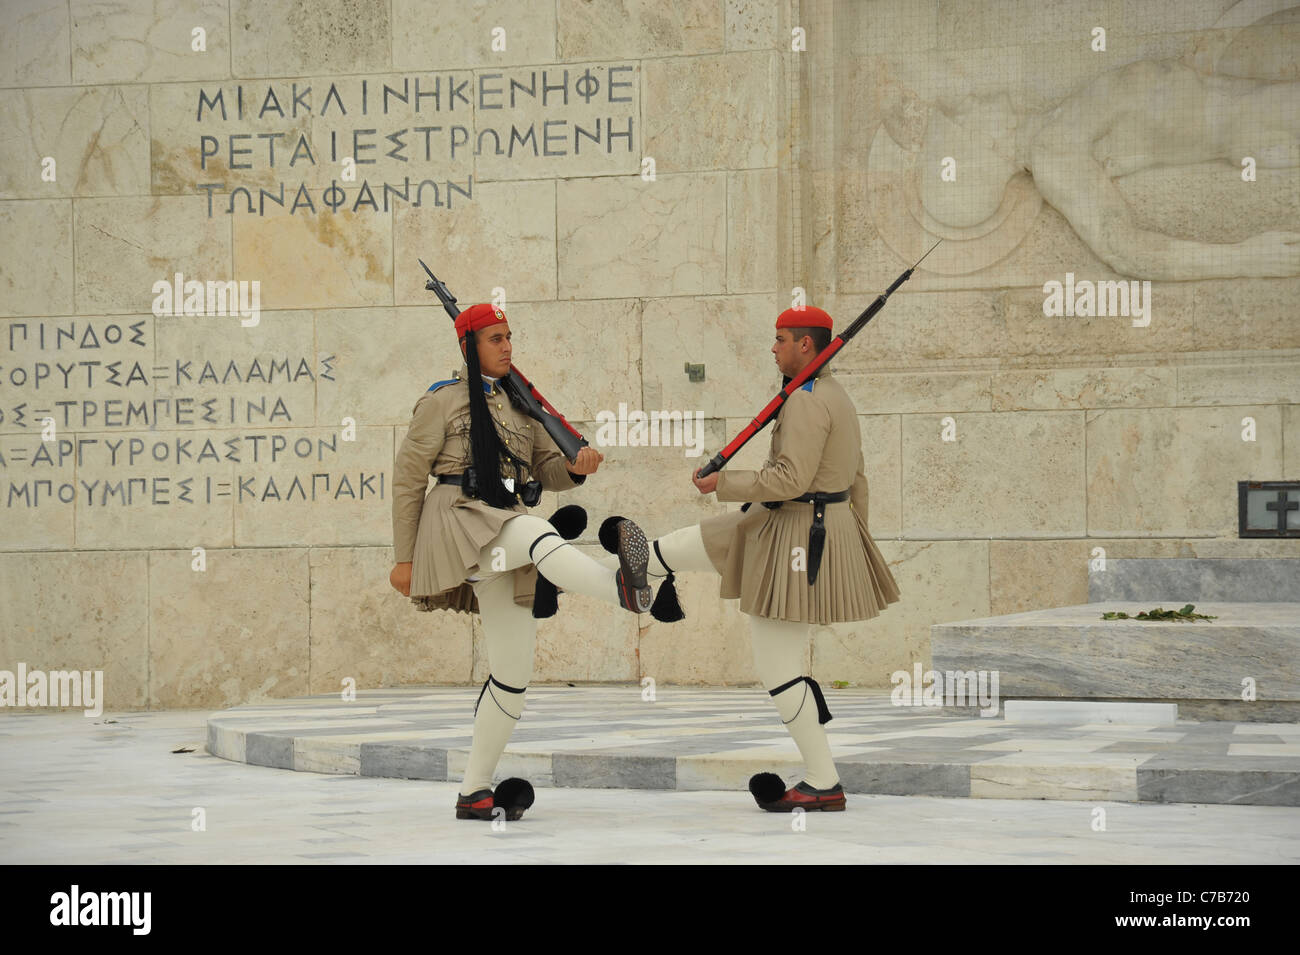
529	493
459	481
817	533
813	497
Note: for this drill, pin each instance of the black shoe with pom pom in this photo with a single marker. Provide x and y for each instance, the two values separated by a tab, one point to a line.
770	793
514	795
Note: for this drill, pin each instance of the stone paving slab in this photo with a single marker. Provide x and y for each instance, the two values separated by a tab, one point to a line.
117	794
689	740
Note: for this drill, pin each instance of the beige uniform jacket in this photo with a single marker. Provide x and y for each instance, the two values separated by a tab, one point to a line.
762	554
438	529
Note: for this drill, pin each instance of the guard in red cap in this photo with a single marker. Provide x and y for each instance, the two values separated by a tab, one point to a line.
468	544
797	553
809	317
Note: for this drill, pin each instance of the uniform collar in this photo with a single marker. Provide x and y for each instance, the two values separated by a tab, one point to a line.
490	386
823	372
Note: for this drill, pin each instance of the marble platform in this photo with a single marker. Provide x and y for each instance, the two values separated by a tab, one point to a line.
1072	653
1194	580
692	739
1071	712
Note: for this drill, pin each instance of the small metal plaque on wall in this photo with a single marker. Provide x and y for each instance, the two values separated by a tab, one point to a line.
1268	508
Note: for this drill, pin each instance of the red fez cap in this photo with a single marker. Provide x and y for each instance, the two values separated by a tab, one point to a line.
476	317
807	317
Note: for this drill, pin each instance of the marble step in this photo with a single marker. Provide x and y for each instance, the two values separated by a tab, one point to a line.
1070	712
1183	580
715	739
1072	653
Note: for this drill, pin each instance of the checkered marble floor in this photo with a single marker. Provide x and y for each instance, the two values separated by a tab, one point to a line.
690	739
125	788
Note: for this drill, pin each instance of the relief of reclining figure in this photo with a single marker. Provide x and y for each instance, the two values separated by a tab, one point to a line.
1136	117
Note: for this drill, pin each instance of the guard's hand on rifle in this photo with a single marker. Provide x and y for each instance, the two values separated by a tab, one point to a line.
706	485
586	462
400	578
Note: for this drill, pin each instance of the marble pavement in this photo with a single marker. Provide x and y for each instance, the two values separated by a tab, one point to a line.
709	739
79	792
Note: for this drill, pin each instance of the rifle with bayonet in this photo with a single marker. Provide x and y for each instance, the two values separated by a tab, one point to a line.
769	412
522	393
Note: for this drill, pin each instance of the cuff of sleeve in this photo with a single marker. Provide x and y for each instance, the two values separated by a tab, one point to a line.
577	479
722	491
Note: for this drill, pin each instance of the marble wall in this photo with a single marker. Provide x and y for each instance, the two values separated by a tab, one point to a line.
199	504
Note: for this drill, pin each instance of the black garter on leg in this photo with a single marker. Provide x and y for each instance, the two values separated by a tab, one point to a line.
823	713
570	521
495	681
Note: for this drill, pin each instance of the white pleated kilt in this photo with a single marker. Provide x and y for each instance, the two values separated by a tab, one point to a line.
754	551
453	530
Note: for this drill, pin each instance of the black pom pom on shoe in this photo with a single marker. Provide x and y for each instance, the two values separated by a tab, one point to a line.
766	787
514	795
609	533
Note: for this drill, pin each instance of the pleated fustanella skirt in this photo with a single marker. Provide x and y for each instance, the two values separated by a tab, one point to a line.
453	530
755	554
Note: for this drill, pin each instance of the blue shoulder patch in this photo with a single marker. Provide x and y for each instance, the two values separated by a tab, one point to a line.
808	385
487	389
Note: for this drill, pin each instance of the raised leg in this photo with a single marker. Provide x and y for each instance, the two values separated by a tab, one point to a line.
526	539
681	550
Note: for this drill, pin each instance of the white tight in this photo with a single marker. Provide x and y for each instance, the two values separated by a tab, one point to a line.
780	649
780	646
526	539
511	635
511	630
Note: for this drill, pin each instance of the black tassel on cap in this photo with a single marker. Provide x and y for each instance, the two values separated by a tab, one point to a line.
485	444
